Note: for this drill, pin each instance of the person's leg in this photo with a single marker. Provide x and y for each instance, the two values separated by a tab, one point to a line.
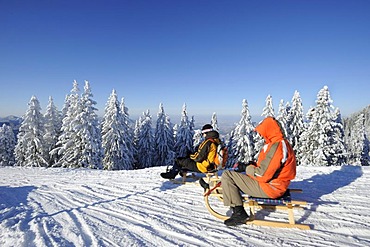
230	192
172	173
241	182
232	182
188	164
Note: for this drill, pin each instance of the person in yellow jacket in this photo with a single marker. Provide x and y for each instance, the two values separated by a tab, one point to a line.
202	160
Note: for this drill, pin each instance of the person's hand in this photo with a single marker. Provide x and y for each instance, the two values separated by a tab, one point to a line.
251	162
240	167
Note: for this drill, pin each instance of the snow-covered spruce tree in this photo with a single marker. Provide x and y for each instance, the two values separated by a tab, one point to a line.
197	138
30	147
164	141
340	154
145	141
116	153
242	147
296	125
214	122
184	136
322	144
136	143
68	146
232	159
192	124
284	117
65	106
268	110
7	146
358	143
128	133
353	118
175	129
52	126
89	132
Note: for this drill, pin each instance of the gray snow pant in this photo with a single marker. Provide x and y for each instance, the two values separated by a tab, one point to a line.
233	182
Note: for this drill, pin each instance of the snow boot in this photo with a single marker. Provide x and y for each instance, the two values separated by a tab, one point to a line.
238	217
171	173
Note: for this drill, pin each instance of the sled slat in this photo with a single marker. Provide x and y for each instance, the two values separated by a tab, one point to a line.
271	223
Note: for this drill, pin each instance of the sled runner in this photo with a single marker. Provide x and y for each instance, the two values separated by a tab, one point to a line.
186	178
214	204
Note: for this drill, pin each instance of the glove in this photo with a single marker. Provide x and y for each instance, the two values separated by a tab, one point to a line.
241	167
251	162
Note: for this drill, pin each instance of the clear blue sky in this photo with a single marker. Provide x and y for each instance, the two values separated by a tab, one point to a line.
208	54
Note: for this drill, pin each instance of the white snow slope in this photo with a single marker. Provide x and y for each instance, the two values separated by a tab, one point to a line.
79	207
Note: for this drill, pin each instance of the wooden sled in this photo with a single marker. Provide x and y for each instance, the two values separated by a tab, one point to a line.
214	203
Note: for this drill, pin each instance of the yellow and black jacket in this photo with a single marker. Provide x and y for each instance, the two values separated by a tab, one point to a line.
206	153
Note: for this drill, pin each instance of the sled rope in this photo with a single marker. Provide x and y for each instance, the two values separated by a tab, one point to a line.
211	190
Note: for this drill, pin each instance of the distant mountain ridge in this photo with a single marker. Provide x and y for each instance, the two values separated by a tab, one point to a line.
13	121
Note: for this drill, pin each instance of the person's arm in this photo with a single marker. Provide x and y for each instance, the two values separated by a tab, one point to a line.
202	152
267	167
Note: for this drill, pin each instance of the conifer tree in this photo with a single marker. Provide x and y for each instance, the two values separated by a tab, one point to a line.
197	138
164	141
297	125
284	117
145	142
7	146
358	145
242	143
65	106
214	122
322	143
117	155
268	110
192	124
232	158
175	129
136	143
184	136
339	149
68	146
128	135
89	131
53	124
30	147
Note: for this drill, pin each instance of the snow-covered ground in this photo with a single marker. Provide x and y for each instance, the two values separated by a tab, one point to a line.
79	207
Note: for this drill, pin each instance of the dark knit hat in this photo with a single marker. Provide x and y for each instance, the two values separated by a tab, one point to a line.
207	128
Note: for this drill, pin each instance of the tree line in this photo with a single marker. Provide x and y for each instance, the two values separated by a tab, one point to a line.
75	137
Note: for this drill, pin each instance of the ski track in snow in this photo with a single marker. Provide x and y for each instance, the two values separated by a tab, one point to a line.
79	207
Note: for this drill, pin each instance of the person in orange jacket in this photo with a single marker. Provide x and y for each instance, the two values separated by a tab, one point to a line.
202	160
269	177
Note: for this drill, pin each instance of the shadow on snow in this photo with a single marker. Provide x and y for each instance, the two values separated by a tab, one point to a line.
324	184
14	206
14	196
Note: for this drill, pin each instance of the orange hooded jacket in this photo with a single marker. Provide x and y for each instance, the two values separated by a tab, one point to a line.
276	164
